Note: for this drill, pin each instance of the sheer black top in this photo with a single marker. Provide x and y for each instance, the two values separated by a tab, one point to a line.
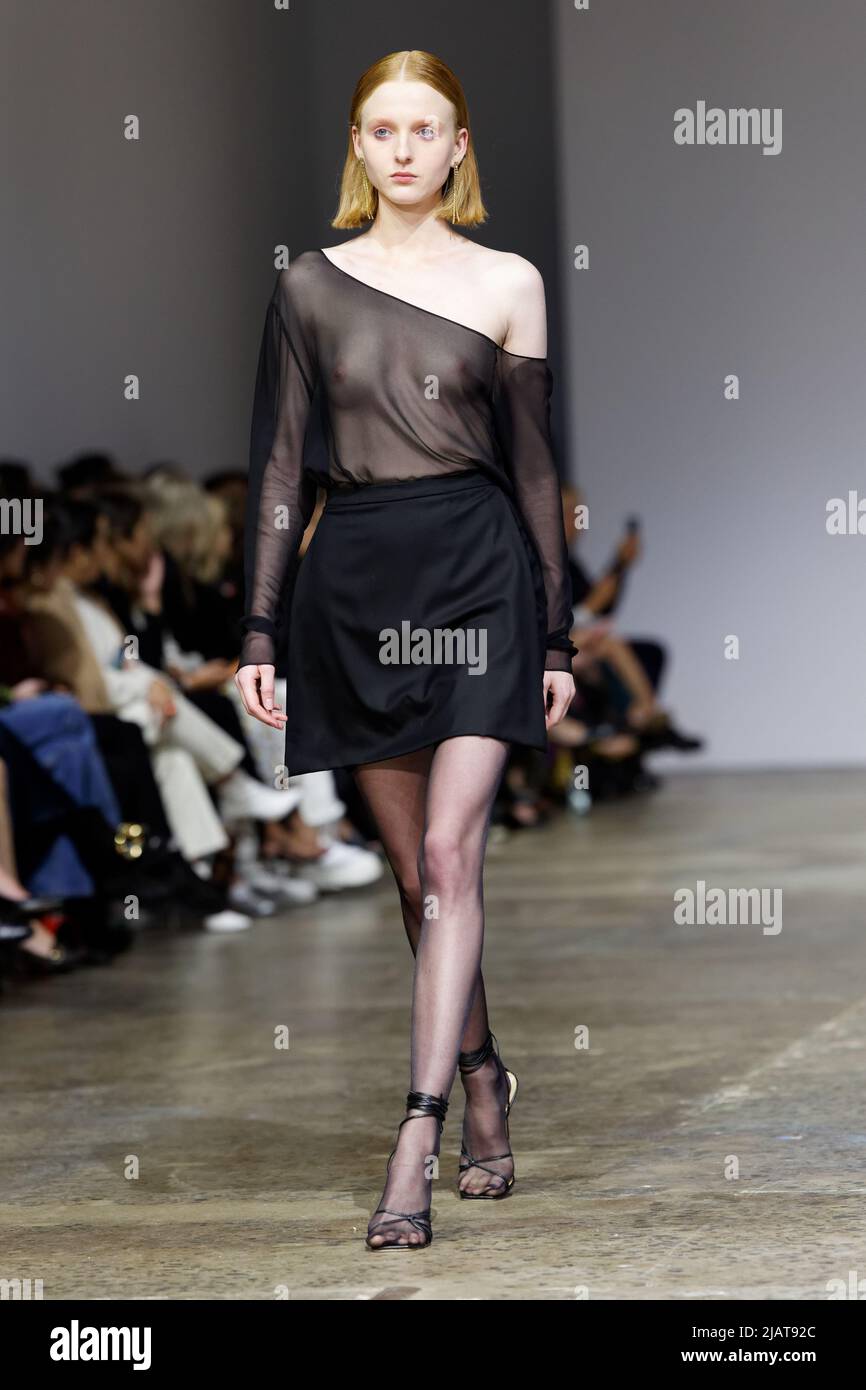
403	393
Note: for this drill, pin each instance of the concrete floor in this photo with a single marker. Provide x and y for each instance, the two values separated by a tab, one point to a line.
709	1047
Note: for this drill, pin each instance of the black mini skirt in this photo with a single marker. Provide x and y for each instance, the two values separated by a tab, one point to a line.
418	614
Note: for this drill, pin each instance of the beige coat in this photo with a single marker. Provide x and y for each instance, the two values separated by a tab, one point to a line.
62	649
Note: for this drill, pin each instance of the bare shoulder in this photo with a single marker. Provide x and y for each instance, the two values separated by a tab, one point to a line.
519	285
511	271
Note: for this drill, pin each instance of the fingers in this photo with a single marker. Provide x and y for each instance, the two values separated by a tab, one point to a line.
245	680
266	687
562	695
555	714
241	693
268	711
273	717
256	685
549	699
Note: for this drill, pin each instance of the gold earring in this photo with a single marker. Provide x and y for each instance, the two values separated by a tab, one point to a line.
367	191
456	169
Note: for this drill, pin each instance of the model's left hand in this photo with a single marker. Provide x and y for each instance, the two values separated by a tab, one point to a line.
561	686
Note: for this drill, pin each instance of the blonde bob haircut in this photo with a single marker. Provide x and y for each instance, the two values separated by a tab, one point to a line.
463	204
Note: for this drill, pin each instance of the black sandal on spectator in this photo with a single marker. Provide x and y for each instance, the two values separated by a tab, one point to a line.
94	930
58	961
662	734
13	933
24	909
11	936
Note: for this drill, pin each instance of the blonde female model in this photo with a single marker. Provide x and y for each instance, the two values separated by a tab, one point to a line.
428	626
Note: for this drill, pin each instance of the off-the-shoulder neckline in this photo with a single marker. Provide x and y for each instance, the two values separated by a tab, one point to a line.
421	310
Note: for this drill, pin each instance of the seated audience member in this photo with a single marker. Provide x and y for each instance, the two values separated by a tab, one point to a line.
62	656
189	752
63	809
201	636
81	474
621	681
28	925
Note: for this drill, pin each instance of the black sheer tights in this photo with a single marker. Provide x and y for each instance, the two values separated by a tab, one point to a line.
432	809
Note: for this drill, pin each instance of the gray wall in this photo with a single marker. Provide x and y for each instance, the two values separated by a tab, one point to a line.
707	261
140	257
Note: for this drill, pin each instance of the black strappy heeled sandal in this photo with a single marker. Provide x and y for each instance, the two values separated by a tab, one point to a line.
429	1105
469	1062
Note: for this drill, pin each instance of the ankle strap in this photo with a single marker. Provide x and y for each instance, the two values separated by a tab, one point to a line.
431	1105
471	1061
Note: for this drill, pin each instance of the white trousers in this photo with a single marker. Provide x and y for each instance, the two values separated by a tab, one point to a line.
187	752
319	803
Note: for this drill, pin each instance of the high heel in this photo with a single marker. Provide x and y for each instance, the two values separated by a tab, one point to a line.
429	1105
469	1062
24	909
12	933
59	961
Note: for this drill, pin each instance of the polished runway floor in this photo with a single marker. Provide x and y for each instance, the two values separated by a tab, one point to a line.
708	1143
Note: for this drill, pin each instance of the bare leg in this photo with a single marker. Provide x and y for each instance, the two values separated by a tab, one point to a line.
443	911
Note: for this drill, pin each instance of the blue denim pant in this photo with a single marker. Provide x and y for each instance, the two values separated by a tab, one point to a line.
54	766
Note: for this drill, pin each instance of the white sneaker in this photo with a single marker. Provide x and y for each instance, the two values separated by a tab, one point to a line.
342	866
281	886
227	920
241	797
245	897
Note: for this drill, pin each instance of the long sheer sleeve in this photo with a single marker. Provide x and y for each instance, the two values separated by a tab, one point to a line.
522	416
281	497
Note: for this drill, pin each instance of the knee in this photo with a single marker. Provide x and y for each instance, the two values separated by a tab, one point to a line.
445	858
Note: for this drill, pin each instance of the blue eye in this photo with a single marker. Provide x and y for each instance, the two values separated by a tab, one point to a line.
431	130
378	128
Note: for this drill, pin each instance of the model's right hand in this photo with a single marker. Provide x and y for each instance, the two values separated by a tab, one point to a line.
256	684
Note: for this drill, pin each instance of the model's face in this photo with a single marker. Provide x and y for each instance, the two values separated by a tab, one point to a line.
407	128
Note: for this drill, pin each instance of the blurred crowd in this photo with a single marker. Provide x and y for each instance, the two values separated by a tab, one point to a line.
135	789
